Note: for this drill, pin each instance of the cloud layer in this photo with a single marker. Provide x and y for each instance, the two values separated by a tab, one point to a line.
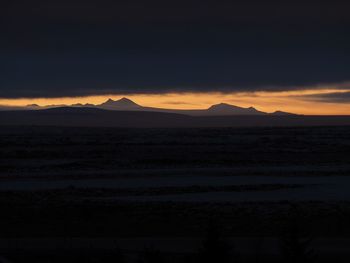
335	97
77	48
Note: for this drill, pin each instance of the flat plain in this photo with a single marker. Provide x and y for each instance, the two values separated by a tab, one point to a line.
73	188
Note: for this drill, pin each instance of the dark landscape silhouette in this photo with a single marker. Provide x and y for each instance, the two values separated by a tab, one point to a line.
125	113
125	104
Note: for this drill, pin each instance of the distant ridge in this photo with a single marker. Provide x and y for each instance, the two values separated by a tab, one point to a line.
227	109
97	117
281	113
125	104
214	110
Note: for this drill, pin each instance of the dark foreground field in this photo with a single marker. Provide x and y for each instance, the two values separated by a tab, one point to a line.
174	195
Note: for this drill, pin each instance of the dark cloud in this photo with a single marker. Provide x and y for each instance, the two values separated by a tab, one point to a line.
174	12
335	97
73	48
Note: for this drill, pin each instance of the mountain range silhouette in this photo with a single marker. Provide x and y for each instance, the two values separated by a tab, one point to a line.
125	113
125	104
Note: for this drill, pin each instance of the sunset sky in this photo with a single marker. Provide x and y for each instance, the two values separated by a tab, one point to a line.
273	55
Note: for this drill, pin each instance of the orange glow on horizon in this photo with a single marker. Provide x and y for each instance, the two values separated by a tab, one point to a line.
290	101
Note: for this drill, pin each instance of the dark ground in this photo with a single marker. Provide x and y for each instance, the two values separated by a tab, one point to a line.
38	154
66	152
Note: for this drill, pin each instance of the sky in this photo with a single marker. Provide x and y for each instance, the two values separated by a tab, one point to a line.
286	55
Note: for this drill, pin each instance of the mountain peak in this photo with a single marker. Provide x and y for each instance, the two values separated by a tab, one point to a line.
222	106
126	100
124	103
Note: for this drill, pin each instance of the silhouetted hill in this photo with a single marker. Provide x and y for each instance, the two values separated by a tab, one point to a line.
95	117
125	104
227	109
214	110
281	113
81	116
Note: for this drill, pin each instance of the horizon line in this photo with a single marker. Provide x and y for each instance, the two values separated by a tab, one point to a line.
298	102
